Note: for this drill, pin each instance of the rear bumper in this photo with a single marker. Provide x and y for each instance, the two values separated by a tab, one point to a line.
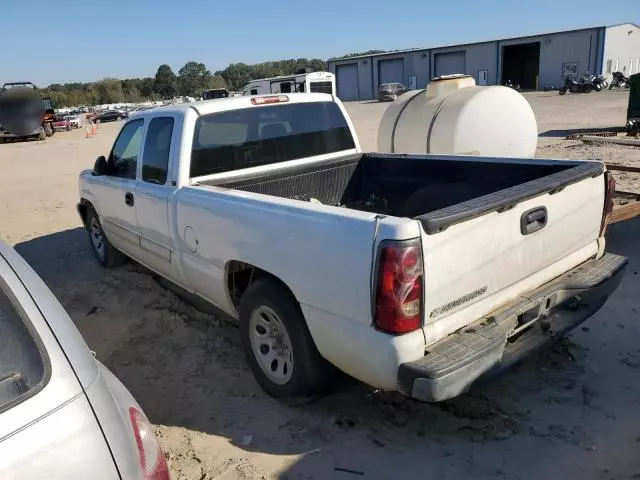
452	365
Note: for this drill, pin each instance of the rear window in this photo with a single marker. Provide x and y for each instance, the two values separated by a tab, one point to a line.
263	135
22	368
321	87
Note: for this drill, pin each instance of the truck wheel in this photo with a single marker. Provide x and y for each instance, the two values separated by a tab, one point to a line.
277	343
106	254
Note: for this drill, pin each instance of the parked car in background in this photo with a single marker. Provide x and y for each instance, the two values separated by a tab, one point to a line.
390	91
61	123
74	120
63	414
111	116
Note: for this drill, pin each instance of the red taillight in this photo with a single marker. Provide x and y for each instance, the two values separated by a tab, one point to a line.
267	100
398	300
152	461
609	190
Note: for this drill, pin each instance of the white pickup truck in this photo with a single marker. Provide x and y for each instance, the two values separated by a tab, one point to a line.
415	273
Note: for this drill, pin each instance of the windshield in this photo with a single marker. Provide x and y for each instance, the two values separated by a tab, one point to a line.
264	135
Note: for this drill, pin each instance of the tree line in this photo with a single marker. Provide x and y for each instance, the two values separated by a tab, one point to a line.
190	80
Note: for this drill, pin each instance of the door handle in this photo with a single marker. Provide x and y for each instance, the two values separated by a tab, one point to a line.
128	199
533	220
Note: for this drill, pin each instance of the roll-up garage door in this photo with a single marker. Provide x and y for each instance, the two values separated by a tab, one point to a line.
347	81
449	63
391	71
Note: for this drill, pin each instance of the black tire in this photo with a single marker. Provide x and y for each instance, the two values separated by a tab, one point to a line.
588	88
109	256
562	91
310	372
597	88
610	86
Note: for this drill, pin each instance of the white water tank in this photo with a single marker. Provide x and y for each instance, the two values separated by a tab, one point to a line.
456	117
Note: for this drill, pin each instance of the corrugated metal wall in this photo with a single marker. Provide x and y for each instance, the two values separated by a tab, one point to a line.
557	50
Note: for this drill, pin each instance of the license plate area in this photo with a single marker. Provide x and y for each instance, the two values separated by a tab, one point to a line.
529	316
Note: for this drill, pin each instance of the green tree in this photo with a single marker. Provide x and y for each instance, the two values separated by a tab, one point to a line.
193	79
217	81
237	75
110	91
165	82
130	90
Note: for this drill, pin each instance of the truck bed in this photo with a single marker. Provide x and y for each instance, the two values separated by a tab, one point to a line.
438	191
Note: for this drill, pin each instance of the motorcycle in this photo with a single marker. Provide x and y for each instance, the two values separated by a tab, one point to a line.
510	84
619	80
598	82
571	85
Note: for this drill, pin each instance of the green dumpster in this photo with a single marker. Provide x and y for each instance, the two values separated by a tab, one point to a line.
633	110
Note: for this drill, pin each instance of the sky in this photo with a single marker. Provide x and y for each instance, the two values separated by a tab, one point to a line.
59	41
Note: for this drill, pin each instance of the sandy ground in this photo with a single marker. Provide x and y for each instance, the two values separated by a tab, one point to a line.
570	412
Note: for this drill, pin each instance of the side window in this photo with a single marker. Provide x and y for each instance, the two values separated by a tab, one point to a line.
254	91
124	155
155	158
285	87
22	368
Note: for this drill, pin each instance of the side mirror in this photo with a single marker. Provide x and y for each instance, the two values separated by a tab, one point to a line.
100	167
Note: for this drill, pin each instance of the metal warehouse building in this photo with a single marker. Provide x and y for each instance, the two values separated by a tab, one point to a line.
535	62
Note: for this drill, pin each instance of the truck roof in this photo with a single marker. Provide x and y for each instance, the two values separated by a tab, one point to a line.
205	107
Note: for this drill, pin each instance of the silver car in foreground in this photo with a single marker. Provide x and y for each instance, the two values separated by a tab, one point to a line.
63	415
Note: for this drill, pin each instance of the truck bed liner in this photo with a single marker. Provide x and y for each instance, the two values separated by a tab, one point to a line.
438	191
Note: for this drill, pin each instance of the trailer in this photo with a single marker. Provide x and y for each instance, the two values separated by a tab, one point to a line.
307	82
